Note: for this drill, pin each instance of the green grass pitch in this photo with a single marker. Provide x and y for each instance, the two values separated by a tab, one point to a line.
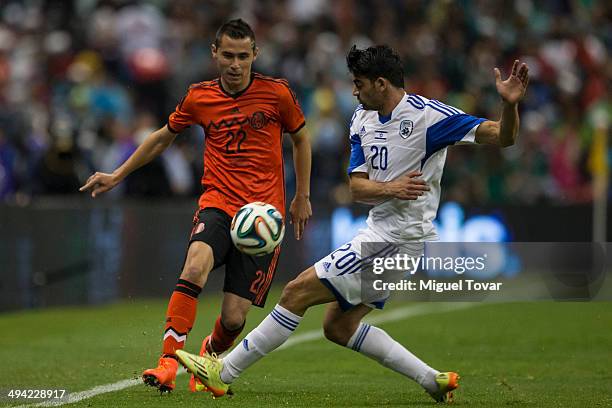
517	354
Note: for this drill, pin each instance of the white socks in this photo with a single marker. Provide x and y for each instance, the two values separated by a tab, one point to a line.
378	345
273	331
371	341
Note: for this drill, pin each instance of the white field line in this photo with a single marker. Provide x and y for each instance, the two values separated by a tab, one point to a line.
390	316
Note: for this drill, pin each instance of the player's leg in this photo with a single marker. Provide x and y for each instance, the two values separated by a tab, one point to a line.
299	294
275	329
229	323
346	329
339	325
182	307
206	250
180	315
228	326
314	286
247	281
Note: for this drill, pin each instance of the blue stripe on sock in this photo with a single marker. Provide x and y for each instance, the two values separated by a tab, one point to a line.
290	319
360	340
283	319
361	331
281	323
365	333
358	337
284	322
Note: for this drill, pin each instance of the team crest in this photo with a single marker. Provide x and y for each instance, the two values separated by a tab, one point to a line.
406	128
258	120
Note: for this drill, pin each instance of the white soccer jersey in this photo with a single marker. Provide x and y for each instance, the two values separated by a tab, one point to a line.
413	137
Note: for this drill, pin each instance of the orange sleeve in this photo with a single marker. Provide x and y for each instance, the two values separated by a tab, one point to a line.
183	116
292	117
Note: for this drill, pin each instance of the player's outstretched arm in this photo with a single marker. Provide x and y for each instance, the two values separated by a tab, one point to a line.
406	187
300	210
512	90
152	147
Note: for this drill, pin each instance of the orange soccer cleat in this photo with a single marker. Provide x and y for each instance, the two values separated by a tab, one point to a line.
447	382
163	376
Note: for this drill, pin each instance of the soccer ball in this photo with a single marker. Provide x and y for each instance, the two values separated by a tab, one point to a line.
257	229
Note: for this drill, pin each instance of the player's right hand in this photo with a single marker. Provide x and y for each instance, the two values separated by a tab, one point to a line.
99	183
408	186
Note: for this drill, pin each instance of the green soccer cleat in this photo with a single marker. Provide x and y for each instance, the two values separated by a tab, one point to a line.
447	382
207	369
196	385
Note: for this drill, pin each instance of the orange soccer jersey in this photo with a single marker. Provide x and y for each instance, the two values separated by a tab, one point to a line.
243	159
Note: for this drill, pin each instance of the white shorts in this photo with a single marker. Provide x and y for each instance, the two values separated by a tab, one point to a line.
341	271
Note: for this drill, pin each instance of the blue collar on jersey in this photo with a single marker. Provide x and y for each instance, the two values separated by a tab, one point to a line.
384	119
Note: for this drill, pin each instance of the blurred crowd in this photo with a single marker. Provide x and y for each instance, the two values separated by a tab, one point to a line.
82	83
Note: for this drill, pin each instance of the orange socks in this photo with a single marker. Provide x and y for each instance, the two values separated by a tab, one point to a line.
180	316
222	339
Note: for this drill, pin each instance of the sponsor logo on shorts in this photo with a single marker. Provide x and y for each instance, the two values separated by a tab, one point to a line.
198	228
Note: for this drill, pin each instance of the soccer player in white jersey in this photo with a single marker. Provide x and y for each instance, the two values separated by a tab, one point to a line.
398	148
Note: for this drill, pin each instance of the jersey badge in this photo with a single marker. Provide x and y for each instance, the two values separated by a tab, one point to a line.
258	120
406	128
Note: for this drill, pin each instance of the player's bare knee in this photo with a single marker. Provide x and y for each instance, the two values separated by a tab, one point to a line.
193	274
290	292
233	318
336	334
232	321
294	295
198	264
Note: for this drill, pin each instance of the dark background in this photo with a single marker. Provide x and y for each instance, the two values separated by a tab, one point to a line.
83	82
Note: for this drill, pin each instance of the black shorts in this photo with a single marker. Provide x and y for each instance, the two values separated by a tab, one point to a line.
247	276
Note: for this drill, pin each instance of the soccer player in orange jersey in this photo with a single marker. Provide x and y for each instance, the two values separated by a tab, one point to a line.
244	116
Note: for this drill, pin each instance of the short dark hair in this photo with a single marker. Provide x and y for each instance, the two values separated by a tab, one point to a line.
236	29
374	62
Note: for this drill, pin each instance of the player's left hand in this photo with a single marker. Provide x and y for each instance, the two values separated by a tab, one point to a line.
512	90
299	213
